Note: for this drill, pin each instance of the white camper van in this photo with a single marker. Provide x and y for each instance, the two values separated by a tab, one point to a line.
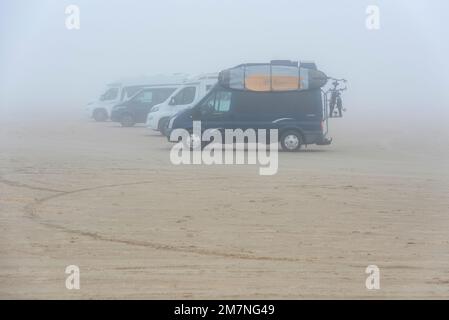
120	91
183	98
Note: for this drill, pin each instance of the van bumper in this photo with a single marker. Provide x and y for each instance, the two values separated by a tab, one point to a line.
324	142
152	121
317	138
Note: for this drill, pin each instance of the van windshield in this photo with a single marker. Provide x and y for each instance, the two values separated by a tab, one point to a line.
110	94
130	91
185	96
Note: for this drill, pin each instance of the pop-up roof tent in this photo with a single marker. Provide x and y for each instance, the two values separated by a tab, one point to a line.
278	75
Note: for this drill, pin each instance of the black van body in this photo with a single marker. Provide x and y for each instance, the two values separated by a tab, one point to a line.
298	115
136	109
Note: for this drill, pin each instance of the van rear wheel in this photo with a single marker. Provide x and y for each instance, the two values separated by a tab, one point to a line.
127	120
291	141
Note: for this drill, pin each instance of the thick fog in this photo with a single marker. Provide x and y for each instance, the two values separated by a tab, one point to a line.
105	194
400	68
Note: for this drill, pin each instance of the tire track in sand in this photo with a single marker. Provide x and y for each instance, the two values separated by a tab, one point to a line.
31	212
22	185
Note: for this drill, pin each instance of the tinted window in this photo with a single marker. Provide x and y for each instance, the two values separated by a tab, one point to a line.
185	96
217	102
130	91
145	96
222	101
161	94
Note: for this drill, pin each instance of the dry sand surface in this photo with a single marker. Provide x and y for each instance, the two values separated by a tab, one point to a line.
108	199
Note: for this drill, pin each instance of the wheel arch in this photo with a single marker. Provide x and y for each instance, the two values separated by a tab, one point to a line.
103	109
160	121
284	129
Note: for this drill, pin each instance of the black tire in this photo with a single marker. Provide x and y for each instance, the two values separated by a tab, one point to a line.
163	126
100	115
127	120
291	141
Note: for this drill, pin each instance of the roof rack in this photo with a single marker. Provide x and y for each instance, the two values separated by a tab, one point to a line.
284	63
308	64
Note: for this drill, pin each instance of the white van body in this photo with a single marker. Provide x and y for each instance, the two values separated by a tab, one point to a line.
183	98
123	90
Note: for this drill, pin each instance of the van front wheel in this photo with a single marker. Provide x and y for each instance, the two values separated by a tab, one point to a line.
100	115
127	120
291	141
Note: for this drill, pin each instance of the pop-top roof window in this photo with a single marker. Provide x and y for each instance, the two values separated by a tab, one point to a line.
257	77
284	78
271	77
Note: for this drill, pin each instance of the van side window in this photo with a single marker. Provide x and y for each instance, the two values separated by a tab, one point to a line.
218	102
185	96
130	91
222	101
145	96
161	94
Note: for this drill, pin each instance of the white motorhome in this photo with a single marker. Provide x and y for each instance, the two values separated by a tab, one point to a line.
183	98
120	91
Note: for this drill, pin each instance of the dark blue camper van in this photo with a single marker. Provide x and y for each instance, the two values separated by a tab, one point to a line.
279	95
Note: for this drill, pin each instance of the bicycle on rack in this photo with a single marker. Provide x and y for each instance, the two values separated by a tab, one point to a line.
335	100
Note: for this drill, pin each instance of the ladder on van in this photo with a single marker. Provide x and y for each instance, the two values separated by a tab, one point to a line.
325	112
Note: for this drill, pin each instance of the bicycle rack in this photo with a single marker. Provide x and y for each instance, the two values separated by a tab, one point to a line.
326	101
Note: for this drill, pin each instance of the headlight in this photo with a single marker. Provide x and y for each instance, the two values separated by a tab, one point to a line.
154	109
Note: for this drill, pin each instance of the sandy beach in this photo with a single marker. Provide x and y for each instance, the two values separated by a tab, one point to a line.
108	199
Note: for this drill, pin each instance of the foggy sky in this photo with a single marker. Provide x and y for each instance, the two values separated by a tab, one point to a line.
402	66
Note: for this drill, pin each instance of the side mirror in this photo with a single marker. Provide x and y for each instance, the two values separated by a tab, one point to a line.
172	101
